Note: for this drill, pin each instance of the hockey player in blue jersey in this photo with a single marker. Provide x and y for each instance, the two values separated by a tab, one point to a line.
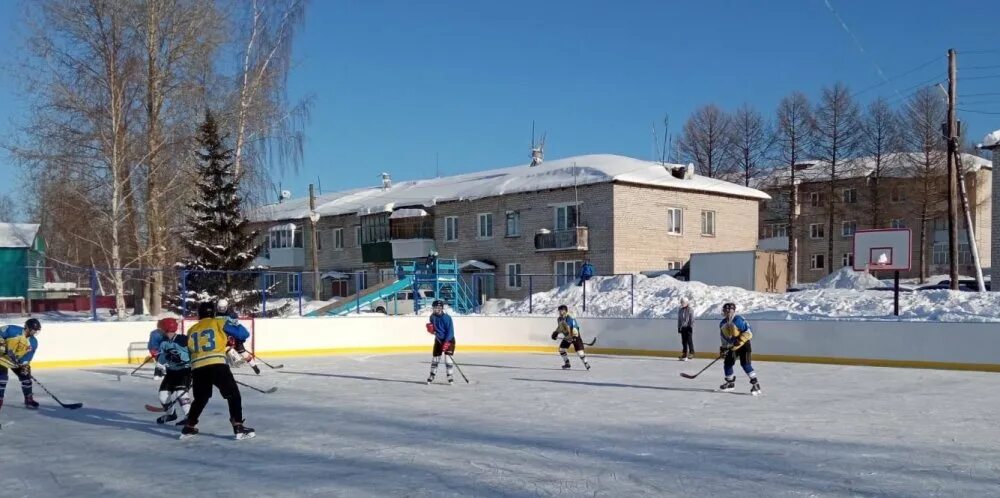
236	354
17	348
569	329
443	329
736	334
176	361
155	338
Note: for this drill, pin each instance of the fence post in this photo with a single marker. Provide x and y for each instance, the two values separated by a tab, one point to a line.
584	296
357	293
300	293
632	294
531	306
93	294
263	294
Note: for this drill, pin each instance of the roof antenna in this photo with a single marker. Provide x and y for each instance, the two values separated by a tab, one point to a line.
537	151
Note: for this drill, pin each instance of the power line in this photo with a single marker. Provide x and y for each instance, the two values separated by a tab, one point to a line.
989	94
989	77
900	75
995	66
992	113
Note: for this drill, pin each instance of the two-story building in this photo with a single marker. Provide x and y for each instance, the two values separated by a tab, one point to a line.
909	190
624	215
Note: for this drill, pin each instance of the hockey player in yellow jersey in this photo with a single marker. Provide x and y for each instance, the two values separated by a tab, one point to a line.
207	342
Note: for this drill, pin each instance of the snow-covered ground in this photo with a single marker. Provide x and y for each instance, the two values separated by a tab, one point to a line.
837	297
368	426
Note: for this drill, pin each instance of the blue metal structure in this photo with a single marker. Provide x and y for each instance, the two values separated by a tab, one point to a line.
442	278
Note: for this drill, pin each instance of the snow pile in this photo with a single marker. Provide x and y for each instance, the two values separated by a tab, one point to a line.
660	297
992	140
847	278
59	286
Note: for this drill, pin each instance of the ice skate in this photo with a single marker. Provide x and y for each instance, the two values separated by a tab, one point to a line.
682	358
30	403
755	387
451	380
243	432
256	369
691	356
170	417
430	379
729	384
188	432
566	366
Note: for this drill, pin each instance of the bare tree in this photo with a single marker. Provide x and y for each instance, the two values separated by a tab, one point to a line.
922	117
838	137
707	142
752	141
794	136
8	210
267	126
880	144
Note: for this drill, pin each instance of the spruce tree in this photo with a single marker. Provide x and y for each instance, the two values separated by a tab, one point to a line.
217	237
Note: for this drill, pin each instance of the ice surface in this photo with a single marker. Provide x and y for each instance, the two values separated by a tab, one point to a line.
368	426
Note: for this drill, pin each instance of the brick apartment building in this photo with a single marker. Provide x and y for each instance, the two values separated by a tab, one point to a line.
624	215
900	203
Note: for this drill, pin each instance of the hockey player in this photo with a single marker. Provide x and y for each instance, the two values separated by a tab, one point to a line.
236	354
736	335
443	329
17	348
155	338
207	342
176	361
569	329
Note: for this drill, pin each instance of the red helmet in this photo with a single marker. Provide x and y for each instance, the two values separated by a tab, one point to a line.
168	325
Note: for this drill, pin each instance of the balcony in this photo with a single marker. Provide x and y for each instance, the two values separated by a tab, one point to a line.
574	239
285	257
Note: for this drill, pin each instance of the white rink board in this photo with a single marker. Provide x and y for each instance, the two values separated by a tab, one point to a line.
62	343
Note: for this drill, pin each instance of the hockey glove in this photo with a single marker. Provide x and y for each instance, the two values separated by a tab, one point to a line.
555	336
159	371
724	350
446	347
430	328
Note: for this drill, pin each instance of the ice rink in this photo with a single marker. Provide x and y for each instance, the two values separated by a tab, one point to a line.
369	426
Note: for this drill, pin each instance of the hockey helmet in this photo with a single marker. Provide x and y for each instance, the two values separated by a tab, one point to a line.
206	310
33	324
167	325
437	304
729	307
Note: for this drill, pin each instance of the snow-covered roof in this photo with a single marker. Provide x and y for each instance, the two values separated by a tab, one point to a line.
992	140
407	213
899	165
560	173
18	235
476	264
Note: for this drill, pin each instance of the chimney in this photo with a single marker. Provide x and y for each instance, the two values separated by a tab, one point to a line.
536	156
386	181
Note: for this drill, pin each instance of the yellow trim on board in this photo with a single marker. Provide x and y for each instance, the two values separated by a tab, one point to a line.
867	362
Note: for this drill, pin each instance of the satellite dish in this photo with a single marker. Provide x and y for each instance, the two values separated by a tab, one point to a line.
285	194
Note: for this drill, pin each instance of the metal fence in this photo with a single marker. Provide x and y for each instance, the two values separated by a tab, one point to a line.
102	293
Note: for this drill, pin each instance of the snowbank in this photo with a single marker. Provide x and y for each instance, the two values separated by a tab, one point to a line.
847	278
660	297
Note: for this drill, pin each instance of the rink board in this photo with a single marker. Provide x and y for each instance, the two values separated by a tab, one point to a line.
957	346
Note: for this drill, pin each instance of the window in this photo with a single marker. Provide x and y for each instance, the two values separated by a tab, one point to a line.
940	224
850	196
283	239
319	240
514	276
940	255
675	221
817	262
297	238
294	283
566	217
357	236
269	281
675	265
896	196
897	223
816	199
375	228
708	222
451	229
484	228
774	230
513	223
847	259
566	272
817	231
848	228
338	238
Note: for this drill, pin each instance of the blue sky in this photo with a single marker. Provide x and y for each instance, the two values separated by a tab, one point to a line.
398	83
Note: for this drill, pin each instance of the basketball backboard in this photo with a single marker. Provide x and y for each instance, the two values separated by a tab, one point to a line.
882	249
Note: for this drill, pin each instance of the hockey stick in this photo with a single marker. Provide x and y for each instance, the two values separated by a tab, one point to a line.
689	376
140	366
459	369
265	391
272	367
166	407
592	342
71	406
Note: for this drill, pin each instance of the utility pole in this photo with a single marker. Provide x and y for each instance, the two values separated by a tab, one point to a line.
952	173
314	218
